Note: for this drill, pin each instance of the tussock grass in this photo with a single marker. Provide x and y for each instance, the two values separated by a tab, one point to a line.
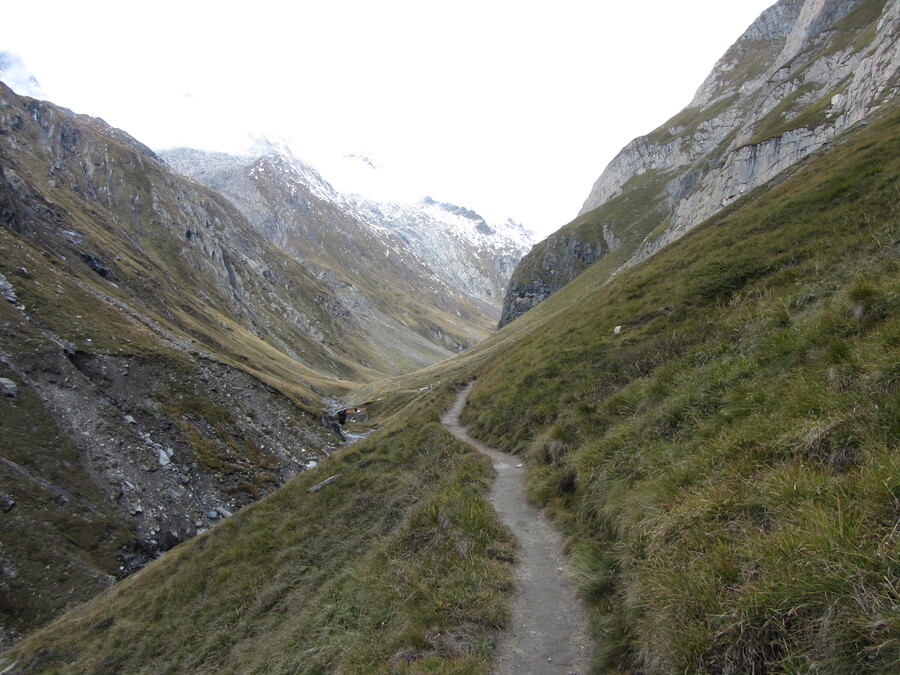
400	565
726	467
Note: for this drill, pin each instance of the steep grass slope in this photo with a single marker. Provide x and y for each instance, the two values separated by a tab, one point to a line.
398	565
726	464
725	467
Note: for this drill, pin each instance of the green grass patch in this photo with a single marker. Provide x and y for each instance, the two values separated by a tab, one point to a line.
725	466
399	565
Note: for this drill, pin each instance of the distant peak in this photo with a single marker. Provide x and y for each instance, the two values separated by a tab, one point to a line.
262	146
17	76
267	145
365	159
455	210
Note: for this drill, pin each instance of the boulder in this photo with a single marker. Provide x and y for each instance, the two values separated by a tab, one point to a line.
8	388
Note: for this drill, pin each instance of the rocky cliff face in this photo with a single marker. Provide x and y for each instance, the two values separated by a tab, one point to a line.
804	72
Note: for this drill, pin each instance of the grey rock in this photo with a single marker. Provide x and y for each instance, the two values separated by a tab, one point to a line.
8	388
6	503
96	264
7	291
561	258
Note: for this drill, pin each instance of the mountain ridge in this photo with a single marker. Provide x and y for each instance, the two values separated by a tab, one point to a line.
167	365
453	243
805	71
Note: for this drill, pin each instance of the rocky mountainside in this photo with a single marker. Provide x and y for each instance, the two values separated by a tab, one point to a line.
166	351
804	72
455	242
400	307
161	363
434	248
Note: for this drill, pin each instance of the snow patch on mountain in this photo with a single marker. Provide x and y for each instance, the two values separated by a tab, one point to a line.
455	242
16	75
459	248
283	160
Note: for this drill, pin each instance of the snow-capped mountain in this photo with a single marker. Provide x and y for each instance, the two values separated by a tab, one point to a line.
407	313
459	245
16	75
455	242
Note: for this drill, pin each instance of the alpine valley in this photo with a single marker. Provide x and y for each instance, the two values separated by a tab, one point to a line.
699	375
171	351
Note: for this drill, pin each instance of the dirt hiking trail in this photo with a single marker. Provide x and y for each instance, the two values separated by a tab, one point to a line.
548	631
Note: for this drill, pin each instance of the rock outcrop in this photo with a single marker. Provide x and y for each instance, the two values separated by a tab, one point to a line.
803	73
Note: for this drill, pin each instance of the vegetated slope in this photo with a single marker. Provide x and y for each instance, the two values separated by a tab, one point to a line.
804	72
163	359
717	429
398	565
409	315
724	466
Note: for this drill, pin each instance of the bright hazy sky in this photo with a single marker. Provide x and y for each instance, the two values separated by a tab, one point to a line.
510	108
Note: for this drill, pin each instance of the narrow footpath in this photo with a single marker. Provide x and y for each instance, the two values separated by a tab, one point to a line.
548	631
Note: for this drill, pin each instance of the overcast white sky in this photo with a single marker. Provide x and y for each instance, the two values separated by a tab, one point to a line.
510	108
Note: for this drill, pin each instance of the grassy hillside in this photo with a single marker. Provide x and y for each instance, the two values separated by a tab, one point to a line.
399	565
140	315
726	465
